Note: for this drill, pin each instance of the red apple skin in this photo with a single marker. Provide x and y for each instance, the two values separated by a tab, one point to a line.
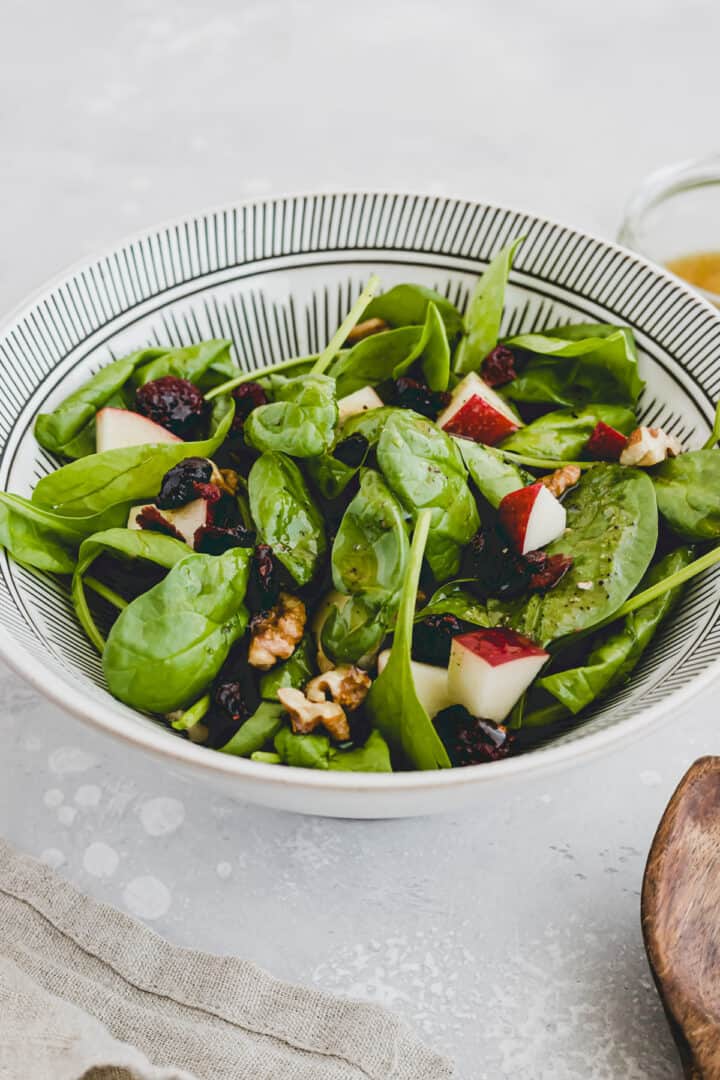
498	645
514	513
478	420
606	443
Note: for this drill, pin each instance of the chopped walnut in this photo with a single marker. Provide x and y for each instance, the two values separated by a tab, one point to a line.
275	633
366	329
306	715
562	479
347	685
226	479
649	446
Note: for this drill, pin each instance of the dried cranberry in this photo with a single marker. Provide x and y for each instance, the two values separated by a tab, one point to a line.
415	395
247	397
151	519
179	483
547	574
230	697
470	740
352	451
498	367
264	584
432	638
494	566
173	403
215	539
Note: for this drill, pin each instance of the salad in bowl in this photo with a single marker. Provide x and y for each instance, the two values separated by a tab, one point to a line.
423	547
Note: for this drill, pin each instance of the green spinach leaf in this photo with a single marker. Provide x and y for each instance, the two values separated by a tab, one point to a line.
574	365
354	629
432	353
485	311
611	535
285	515
96	482
207	364
256	731
168	645
374	359
295	672
563	433
370	550
128	544
300	422
425	469
492	474
615	656
453	599
330	475
392	702
374	756
688	494
317	752
406	305
369	424
47	540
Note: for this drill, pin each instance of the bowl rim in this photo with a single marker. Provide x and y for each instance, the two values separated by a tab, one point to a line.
152	738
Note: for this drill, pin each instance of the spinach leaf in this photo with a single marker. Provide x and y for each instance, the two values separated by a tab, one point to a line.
330	475
256	731
406	305
295	671
168	645
485	310
70	428
369	424
574	365
317	752
207	364
354	629
131	474
611	535
370	550
374	359
286	516
392	702
688	493
44	539
128	544
493	476
424	468
563	433
300	422
616	655
452	599
432	353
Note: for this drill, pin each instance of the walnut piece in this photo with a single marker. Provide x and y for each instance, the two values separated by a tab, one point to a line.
226	479
649	446
346	685
366	329
558	482
275	633
306	715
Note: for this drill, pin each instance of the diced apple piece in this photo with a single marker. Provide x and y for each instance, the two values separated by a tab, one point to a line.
606	443
185	520
118	428
431	684
477	412
532	517
358	402
490	669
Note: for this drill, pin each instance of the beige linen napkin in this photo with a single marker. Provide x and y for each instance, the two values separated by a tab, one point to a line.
86	992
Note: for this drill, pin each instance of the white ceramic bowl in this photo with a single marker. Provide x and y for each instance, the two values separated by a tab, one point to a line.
276	276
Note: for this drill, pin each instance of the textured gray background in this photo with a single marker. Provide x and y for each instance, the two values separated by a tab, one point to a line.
509	934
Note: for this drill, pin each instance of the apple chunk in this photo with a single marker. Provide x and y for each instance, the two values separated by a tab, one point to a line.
358	402
431	684
606	443
118	428
477	412
532	517
490	669
182	522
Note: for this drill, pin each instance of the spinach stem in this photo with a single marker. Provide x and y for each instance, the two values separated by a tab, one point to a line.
193	715
715	433
330	351
251	376
107	593
543	463
661	587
